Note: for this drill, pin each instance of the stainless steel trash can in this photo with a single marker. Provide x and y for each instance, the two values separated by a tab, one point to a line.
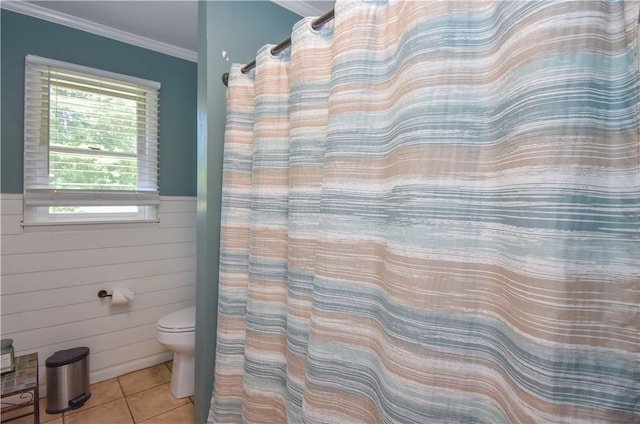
67	379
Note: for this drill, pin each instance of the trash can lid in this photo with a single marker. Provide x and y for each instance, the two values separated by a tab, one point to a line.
66	357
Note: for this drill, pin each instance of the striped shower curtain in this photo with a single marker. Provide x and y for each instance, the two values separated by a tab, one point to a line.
431	215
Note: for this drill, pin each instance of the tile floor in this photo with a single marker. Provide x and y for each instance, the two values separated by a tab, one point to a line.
138	397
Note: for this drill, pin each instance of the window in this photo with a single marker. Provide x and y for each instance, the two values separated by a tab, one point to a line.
90	144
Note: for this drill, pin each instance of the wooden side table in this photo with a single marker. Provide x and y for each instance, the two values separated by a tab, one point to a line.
23	383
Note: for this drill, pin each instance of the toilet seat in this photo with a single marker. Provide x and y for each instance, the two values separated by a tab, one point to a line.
182	321
176	330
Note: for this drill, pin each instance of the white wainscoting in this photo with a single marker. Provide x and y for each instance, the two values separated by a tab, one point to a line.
50	278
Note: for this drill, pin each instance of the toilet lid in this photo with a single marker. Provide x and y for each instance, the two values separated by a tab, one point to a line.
184	319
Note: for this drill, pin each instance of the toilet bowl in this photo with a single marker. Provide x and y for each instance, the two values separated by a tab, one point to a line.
177	332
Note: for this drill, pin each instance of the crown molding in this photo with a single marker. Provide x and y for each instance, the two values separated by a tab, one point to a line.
299	7
97	29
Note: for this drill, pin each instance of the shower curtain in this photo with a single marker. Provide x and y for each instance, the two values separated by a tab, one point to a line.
431	215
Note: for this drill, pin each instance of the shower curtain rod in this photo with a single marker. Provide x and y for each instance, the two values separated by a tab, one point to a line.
317	24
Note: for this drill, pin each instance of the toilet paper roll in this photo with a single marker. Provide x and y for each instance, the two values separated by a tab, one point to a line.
121	297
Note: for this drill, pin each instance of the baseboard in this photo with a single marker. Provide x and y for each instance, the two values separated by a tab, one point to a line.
121	369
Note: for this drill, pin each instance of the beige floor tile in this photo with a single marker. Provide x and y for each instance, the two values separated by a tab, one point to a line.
28	419
114	412
181	415
44	417
152	402
17	412
144	379
101	393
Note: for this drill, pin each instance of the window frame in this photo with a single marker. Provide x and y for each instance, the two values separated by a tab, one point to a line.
41	193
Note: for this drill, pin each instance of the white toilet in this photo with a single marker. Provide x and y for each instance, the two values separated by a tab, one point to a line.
177	332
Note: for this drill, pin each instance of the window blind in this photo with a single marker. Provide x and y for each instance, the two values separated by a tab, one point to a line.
91	136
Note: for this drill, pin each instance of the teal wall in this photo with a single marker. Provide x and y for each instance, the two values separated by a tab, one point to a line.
240	29
22	35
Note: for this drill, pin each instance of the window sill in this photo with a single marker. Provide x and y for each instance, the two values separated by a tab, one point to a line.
105	224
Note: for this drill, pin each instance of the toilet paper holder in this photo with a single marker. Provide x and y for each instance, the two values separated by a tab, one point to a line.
103	293
117	297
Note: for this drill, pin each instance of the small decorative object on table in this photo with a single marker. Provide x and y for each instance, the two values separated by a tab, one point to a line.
7	363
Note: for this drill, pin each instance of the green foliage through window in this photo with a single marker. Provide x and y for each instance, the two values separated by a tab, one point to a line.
89	150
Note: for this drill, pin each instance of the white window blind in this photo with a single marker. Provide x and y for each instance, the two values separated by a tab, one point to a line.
91	137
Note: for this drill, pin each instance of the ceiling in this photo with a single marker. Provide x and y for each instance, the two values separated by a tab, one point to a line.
166	26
